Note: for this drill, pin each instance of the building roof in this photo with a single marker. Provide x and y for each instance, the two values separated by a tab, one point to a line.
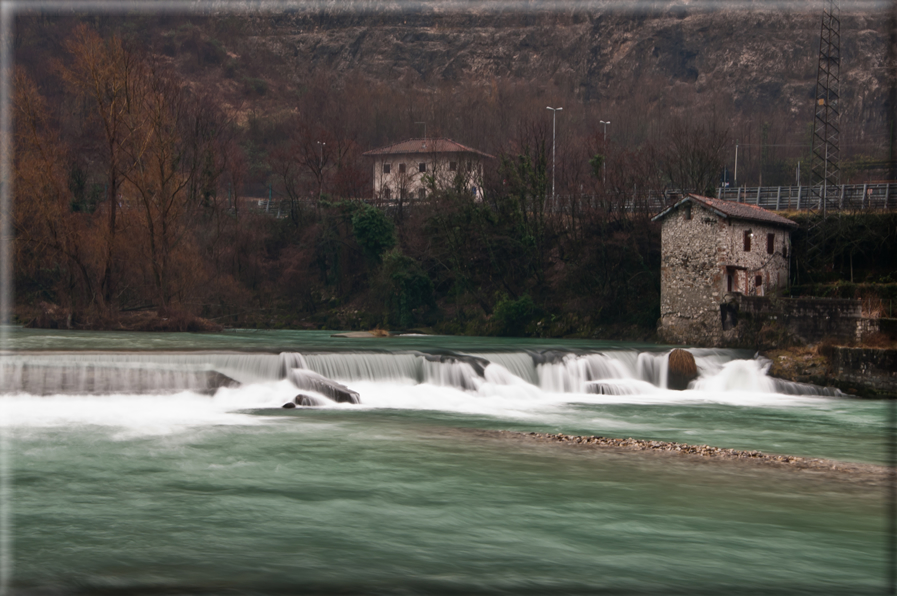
731	209
425	146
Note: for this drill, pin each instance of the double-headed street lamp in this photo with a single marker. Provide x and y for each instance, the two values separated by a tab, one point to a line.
321	170
605	149
553	144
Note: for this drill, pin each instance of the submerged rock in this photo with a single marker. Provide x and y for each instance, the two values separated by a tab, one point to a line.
682	370
308	401
477	364
600	388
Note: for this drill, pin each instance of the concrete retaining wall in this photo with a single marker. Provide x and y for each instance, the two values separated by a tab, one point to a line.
866	368
810	319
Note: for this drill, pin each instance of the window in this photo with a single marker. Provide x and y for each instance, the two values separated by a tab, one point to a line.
453	166
758	281
688	212
386	168
421	194
747	240
401	168
770	243
422	167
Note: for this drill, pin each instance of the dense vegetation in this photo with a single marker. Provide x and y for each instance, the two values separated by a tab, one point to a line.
143	181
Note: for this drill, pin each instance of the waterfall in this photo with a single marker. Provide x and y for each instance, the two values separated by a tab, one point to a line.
612	372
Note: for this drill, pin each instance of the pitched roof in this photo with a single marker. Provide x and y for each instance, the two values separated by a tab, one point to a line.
426	146
731	209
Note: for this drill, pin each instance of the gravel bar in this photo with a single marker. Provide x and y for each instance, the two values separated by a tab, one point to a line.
876	473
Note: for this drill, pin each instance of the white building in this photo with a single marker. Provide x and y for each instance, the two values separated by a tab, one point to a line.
408	169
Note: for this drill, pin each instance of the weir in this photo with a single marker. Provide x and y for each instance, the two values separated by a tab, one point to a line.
331	375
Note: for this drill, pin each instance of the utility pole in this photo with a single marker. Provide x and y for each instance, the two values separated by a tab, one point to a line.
553	145
825	168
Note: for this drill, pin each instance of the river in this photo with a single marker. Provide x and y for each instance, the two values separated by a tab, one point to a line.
139	465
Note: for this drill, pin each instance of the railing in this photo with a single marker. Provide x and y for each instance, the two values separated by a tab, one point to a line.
851	197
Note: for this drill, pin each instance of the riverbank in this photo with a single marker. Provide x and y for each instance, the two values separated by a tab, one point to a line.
52	316
861	371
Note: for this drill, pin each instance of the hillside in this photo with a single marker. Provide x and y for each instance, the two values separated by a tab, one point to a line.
233	146
755	69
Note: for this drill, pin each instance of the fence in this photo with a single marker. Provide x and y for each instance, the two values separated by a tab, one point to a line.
852	197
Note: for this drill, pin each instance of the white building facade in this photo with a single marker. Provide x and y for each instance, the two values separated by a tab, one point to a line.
410	169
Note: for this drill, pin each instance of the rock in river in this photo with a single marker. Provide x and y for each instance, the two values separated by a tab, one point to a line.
682	370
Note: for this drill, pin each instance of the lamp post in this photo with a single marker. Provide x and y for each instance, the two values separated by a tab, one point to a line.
553	143
321	170
605	149
736	165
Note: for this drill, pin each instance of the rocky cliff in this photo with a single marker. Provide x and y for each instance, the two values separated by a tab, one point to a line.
759	60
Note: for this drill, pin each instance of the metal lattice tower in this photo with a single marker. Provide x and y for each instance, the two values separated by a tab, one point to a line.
826	164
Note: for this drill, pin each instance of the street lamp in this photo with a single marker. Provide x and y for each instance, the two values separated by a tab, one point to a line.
736	165
321	170
605	149
553	144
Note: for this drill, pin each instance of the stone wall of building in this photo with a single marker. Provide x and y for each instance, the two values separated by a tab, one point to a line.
691	281
703	259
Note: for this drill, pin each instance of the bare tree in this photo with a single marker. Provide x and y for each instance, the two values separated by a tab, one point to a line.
692	156
105	72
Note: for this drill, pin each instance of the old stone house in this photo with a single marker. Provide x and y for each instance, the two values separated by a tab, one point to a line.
406	170
711	250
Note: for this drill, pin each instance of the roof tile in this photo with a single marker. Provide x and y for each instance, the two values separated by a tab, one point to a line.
425	146
734	210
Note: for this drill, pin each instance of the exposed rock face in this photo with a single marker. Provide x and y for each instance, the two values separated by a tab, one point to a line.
682	370
312	381
669	55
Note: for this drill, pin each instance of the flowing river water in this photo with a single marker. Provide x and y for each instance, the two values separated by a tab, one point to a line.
165	463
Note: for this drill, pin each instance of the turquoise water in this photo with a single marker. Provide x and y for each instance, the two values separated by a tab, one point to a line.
185	493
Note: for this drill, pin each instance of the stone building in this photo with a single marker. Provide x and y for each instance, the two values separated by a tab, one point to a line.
404	170
712	250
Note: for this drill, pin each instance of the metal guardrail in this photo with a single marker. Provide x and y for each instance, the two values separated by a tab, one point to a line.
850	197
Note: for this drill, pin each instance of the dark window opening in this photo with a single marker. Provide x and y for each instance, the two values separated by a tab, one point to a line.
747	240
770	243
729	315
422	167
386	193
758	281
688	212
386	168
401	168
453	166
